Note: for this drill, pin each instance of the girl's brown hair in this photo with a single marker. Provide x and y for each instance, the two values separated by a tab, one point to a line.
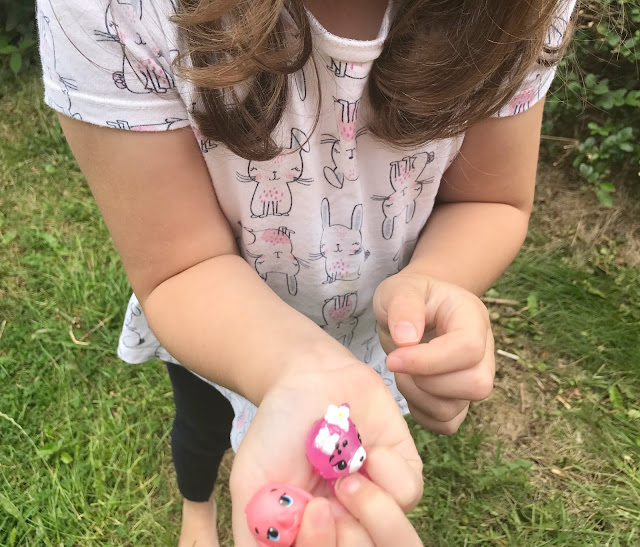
445	65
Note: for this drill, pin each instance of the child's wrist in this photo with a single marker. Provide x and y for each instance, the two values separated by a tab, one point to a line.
310	356
317	356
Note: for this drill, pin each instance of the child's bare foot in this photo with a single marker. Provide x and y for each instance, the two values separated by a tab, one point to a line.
199	524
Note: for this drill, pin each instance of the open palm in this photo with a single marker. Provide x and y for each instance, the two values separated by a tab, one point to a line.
274	448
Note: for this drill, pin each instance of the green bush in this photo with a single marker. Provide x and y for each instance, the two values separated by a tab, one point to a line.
17	33
596	97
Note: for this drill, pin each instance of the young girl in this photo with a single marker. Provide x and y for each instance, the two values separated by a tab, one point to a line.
297	189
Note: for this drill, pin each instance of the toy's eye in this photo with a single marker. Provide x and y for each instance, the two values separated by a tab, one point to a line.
341	465
345	442
285	500
273	534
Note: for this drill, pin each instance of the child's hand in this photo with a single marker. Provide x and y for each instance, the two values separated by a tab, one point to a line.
446	359
369	518
274	448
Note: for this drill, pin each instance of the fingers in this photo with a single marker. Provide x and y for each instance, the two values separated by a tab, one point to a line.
406	317
444	428
401	479
454	350
399	308
439	409
349	532
377	512
318	528
473	384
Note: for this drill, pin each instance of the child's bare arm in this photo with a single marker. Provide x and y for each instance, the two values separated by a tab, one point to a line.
473	234
205	304
483	206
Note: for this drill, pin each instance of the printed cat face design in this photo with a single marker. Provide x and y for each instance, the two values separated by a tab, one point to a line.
284	168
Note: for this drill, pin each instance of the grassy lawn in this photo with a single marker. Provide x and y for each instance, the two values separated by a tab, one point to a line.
552	458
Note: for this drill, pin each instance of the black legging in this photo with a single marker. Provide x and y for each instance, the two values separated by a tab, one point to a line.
200	434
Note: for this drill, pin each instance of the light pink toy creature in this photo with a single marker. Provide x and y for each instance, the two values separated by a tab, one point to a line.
275	512
334	447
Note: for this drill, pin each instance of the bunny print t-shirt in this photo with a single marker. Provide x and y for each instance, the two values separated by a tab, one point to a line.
324	222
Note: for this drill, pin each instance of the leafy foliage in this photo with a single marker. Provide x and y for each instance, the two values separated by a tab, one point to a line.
598	84
17	33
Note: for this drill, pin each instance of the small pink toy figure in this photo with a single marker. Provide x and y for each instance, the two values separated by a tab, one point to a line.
334	447
275	512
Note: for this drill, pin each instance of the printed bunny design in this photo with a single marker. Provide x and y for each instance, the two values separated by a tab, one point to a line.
272	195
301	83
165	125
403	256
206	143
341	246
48	48
370	343
343	149
273	253
524	98
138	75
405	180
340	321
243	420
343	69
133	337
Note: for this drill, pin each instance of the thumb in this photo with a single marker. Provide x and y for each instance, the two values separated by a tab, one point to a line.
401	309
318	528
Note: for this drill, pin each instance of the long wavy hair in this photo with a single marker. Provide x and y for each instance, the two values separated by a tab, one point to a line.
445	65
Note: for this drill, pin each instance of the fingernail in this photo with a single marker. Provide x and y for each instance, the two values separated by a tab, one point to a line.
395	363
350	485
405	332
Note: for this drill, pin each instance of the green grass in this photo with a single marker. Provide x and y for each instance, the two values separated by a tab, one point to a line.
85	456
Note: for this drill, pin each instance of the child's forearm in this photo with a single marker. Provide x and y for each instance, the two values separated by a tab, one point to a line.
470	243
223	322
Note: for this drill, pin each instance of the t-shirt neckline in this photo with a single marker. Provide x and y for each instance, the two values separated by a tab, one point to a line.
349	49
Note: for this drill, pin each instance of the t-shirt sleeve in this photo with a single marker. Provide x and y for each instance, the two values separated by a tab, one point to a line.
109	63
538	81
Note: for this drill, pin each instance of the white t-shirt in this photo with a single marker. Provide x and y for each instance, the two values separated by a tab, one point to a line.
323	226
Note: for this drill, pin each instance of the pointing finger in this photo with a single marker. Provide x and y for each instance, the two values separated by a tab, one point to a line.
452	351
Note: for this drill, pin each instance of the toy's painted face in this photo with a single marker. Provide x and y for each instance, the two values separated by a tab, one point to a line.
275	512
334	447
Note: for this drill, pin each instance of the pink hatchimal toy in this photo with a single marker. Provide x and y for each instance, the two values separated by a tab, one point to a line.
334	447
274	513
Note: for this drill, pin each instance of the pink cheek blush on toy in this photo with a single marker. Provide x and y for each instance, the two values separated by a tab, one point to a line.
274	513
334	447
